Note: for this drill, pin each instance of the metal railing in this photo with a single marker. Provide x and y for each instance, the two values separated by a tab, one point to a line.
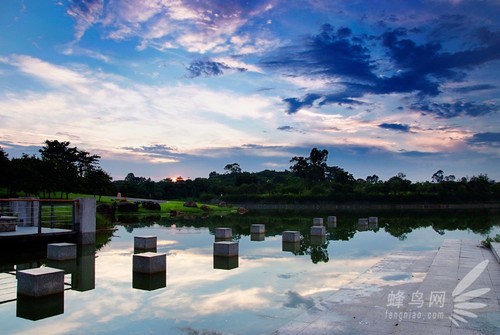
40	213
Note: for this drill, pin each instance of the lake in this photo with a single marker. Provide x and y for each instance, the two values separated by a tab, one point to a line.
266	287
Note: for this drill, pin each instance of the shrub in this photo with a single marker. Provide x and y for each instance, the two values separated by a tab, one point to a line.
125	206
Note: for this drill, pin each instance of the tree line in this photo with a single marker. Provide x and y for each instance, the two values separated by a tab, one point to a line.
66	169
60	168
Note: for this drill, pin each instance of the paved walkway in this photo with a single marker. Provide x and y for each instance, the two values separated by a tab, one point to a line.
452	291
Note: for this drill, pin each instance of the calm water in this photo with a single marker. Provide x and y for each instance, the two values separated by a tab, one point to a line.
268	288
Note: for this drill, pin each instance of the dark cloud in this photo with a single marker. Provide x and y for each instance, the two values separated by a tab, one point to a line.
209	68
286	128
458	108
491	139
419	69
473	88
395	126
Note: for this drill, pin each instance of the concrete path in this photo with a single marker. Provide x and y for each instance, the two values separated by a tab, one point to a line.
452	291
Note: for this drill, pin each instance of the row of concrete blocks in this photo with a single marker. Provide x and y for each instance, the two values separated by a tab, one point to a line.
332	221
46	281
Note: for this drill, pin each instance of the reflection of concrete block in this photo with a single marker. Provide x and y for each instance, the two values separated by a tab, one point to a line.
37	308
290	236
40	281
318	231
226	263
226	249
331	221
317	221
145	242
257	229
149	262
257	237
363	221
149	282
223	233
290	246
318	240
61	251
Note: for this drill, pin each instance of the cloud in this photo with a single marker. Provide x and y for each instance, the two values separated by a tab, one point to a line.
353	63
198	26
86	13
455	109
473	88
487	139
210	68
395	126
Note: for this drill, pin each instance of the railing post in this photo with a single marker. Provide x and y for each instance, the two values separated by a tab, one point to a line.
51	215
86	220
39	218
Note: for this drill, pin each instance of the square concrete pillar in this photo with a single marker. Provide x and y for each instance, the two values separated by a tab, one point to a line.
149	262
331	221
373	219
257	229
318	231
40	282
290	236
226	248
61	251
317	221
145	242
223	233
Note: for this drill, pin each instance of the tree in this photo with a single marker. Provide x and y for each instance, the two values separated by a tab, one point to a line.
98	182
313	167
438	176
232	168
66	166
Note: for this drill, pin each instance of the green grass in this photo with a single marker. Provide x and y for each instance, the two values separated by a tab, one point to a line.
487	242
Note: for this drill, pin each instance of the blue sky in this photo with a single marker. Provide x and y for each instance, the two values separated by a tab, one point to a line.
170	87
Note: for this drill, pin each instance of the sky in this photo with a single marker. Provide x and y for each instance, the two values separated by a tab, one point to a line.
166	88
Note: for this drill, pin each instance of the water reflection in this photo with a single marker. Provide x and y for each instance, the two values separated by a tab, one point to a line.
37	308
257	237
226	263
149	282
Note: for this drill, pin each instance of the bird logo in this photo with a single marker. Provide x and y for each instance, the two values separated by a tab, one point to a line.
461	299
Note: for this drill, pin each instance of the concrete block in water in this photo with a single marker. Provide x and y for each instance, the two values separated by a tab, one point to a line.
257	229
318	231
226	249
317	221
61	251
149	262
40	281
223	233
290	236
373	219
145	242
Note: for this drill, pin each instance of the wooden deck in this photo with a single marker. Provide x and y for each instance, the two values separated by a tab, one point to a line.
26	238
